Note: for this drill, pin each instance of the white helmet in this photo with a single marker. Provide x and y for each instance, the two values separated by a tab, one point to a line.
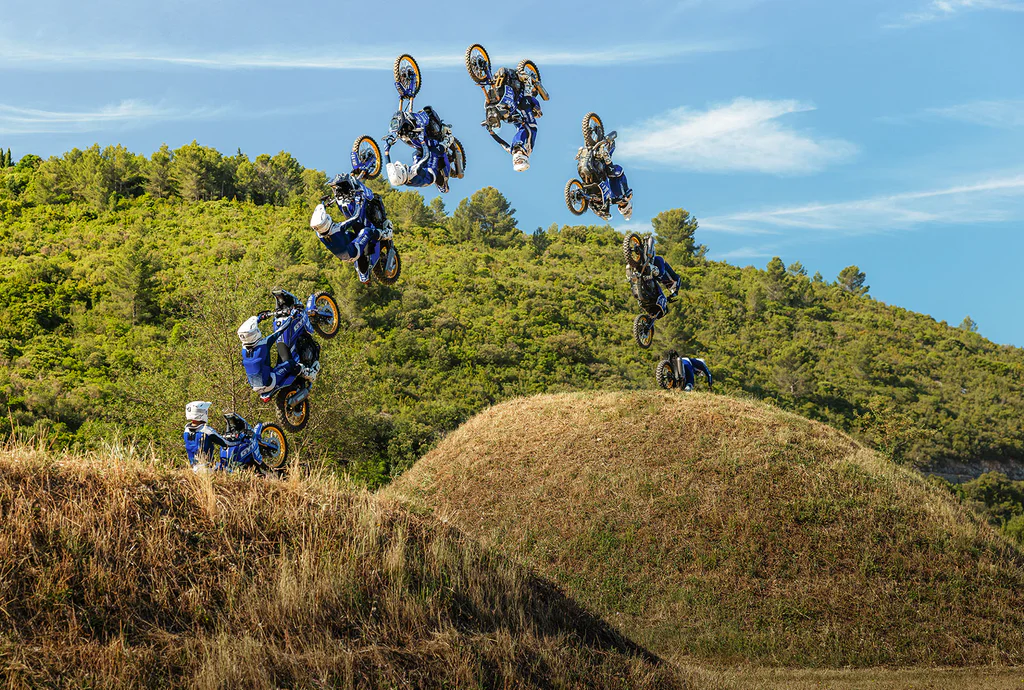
398	174
197	411
249	332
321	220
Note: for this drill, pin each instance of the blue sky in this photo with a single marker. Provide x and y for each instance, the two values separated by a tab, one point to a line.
887	134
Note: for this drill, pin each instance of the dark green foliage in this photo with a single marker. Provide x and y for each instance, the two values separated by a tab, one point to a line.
851	279
997	498
675	230
486	217
115	312
99	177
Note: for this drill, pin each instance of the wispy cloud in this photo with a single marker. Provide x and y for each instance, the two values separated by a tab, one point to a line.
745	135
26	56
1000	113
946	9
16	120
990	200
135	113
747	252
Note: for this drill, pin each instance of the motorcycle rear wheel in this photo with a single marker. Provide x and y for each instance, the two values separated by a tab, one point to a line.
380	269
530	67
593	129
365	148
326	326
665	376
575	197
278	460
292	418
633	251
643	330
407	70
478	63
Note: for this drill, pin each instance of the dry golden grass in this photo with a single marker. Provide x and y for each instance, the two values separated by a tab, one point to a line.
118	573
744	678
717	531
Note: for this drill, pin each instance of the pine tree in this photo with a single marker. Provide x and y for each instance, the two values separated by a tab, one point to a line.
851	279
969	325
133	281
777	282
675	230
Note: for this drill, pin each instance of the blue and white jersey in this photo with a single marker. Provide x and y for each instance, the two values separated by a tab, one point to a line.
201	443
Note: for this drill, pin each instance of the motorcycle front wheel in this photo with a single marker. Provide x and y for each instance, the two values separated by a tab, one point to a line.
292	417
407	76
366	156
633	251
328	316
643	330
664	375
388	266
274	447
575	197
478	63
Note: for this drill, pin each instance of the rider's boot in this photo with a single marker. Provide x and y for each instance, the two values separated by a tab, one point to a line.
520	161
363	270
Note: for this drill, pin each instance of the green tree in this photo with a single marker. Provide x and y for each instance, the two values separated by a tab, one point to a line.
675	230
438	210
486	216
969	325
851	279
314	185
197	172
406	209
159	182
133	285
777	283
539	241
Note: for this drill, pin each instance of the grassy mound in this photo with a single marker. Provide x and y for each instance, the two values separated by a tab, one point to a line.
711	529
118	573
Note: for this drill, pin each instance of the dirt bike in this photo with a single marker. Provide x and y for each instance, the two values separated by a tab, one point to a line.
262	448
434	131
592	189
679	372
639	257
292	337
503	104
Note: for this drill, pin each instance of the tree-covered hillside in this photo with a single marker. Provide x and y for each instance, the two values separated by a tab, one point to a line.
123	280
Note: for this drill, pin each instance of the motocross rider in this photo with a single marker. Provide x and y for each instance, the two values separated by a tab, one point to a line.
520	87
201	439
622	195
349	240
429	137
256	352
